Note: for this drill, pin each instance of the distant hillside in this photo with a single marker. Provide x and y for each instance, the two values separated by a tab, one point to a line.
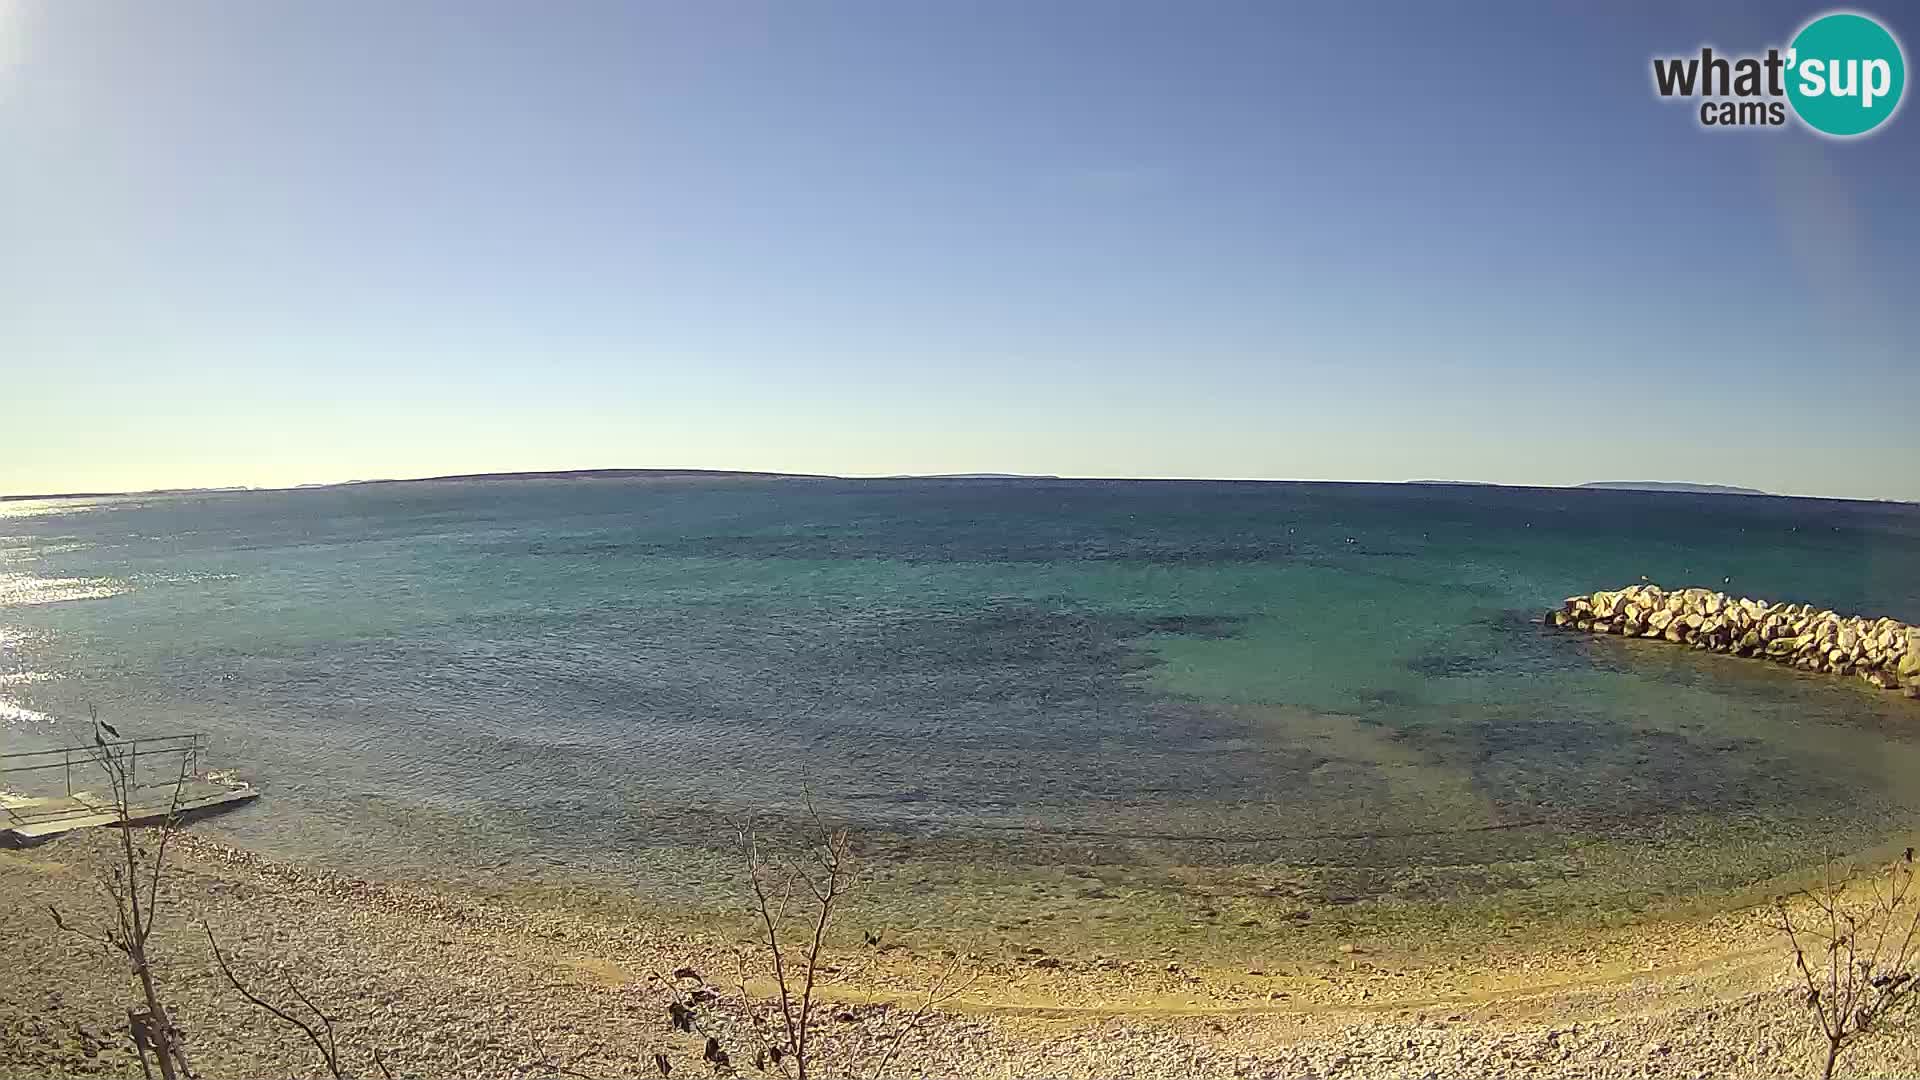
118	494
974	476
600	474
1662	485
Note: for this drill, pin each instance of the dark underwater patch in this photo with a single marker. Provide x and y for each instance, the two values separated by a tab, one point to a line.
1207	627
1514	644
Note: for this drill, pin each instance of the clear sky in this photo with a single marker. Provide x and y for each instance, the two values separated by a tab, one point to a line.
274	243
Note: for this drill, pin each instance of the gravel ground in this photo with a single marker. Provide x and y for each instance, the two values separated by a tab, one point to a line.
445	984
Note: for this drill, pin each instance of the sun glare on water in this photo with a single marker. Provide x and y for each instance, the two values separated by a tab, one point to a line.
20	590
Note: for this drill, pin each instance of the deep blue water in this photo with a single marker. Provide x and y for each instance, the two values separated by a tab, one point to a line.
551	677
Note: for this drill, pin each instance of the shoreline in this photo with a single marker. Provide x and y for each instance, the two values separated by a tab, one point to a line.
447	982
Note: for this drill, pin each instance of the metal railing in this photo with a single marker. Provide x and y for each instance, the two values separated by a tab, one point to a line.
191	748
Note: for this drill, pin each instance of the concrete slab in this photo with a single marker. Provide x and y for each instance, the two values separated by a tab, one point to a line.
30	820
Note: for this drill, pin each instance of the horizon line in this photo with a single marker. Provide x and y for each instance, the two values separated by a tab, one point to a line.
694	473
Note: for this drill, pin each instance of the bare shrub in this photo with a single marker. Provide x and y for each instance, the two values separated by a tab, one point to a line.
795	902
129	880
1855	951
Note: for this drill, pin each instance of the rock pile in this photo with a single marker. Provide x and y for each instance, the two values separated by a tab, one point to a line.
1883	652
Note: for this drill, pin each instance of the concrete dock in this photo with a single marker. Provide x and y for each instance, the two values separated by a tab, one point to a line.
172	766
29	820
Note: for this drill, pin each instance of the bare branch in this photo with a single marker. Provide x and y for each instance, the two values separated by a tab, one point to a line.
166	833
105	942
322	1045
942	990
750	846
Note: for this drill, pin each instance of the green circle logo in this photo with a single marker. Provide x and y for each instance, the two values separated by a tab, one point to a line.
1846	73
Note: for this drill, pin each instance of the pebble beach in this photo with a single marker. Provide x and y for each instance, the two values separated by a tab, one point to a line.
443	984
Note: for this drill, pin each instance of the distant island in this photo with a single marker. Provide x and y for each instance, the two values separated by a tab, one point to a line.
974	476
670	475
123	494
594	474
1662	485
462	478
1616	485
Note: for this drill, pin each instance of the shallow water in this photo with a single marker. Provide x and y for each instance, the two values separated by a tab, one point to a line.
1108	699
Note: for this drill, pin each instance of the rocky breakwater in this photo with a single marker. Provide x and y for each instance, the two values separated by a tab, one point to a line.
1883	652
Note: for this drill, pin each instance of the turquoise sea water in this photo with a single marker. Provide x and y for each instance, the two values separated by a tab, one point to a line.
1321	694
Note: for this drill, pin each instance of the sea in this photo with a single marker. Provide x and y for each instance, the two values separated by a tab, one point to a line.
1101	710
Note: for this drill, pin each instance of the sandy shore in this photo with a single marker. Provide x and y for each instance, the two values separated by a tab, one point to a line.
446	983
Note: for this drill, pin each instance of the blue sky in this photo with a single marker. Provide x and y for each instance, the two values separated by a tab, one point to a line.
282	243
